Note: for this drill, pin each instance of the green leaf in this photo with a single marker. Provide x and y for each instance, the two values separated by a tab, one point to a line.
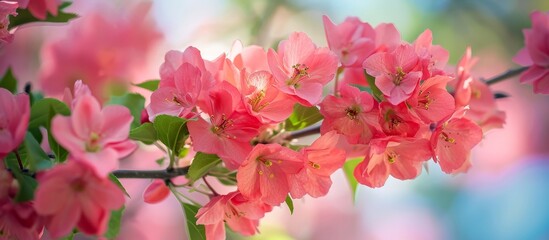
302	117
41	112
115	180
24	16
144	133
9	82
375	90
290	204
134	102
195	231
37	158
202	164
172	131
151	85
348	169
114	223
27	184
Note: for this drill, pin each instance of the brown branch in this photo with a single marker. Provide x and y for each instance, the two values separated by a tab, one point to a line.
161	174
505	75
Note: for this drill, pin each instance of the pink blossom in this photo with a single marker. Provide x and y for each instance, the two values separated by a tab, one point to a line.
352	40
432	102
40	8
397	74
475	94
301	69
99	60
71	195
263	100
226	129
6	9
433	58
80	89
398	120
321	160
14	119
264	174
179	100
17	220
95	136
401	158
173	61
535	54
239	213
452	142
156	192
353	115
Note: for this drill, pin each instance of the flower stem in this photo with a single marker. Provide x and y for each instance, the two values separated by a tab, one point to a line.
210	187
510	73
19	160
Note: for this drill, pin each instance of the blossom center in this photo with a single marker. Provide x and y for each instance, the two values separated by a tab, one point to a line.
392	157
93	143
447	138
256	99
219	129
78	185
399	76
300	71
352	112
426	101
314	165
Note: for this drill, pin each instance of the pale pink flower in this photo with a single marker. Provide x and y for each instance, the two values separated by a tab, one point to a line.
401	158
6	9
301	69
17	220
179	100
432	58
71	195
264	174
239	213
99	60
173	61
354	115
536	53
14	119
95	136
397	73
452	141
227	128
320	160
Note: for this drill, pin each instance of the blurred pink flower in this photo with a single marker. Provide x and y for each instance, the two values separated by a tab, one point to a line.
40	8
14	119
239	213
301	69
99	60
536	53
7	8
264	174
398	120
432	58
156	192
71	195
17	220
95	136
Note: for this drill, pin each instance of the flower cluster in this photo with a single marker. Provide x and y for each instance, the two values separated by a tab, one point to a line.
394	105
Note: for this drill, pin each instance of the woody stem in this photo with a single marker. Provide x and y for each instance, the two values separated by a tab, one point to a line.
509	74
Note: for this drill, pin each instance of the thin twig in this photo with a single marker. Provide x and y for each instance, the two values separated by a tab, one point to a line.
505	75
304	132
210	187
19	160
161	174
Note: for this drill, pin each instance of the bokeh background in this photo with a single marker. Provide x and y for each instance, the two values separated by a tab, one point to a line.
504	196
